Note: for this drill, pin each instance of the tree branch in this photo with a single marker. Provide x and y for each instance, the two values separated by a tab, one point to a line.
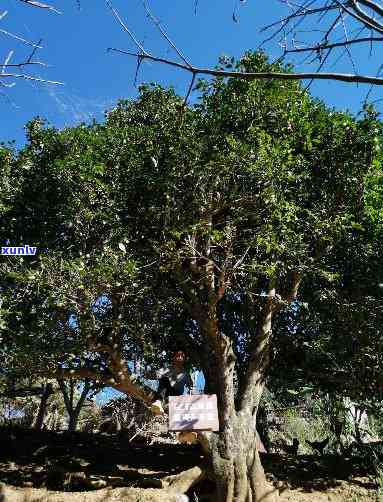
16	37
364	18
292	292
163	33
299	13
34	3
83	395
64	392
342	77
125	28
126	386
369	18
373	6
324	46
29	77
252	383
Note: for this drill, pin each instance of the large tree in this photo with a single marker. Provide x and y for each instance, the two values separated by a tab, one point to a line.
174	213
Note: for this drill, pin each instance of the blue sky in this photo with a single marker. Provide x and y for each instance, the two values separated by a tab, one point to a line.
75	46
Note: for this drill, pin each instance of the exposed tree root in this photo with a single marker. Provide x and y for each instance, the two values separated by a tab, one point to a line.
187	437
182	482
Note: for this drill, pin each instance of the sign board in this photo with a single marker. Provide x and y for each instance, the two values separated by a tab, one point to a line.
193	413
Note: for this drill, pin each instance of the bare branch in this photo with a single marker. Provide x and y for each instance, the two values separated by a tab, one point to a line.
34	3
29	77
319	68
16	37
373	6
190	89
342	77
332	26
163	32
299	13
125	28
29	61
139	61
359	15
6	62
19	65
346	46
324	46
372	86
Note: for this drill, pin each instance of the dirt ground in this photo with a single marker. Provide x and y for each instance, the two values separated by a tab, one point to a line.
79	467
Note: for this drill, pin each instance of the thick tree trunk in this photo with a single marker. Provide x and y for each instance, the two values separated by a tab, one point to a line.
235	461
237	467
233	454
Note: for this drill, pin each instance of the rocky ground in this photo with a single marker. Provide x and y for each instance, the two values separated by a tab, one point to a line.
58	467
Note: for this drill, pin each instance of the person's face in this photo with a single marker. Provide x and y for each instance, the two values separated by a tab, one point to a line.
179	358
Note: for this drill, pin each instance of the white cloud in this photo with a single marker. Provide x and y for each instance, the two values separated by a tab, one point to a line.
75	108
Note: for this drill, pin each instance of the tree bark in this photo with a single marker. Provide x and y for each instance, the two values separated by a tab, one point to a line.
73	420
238	472
39	421
234	460
233	455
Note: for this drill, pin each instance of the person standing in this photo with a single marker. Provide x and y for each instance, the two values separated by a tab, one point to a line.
172	382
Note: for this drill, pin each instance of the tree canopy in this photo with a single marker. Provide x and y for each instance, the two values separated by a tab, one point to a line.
201	225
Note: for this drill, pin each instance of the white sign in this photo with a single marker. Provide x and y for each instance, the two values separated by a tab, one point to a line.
193	413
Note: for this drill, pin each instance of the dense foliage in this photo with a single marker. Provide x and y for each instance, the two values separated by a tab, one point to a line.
198	225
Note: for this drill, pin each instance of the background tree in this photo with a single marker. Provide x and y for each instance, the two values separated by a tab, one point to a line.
69	388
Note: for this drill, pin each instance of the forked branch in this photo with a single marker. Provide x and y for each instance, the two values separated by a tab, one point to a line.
350	7
364	26
5	74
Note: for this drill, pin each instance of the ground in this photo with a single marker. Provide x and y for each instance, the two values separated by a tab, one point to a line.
63	467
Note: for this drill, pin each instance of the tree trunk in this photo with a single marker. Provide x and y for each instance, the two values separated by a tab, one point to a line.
72	410
39	421
237	467
233	455
73	419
